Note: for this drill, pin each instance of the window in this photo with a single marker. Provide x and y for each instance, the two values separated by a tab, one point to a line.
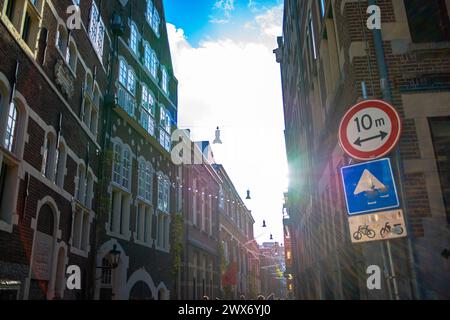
147	111
221	199
144	224
120	213
11	128
96	30
134	39
440	128
149	13
81	229
165	80
126	168
165	129
91	103
117	164
122	166
152	16
127	88
145	181
81	184
123	73
428	20
25	20
8	183
163	194
203	211
60	167
11	137
71	56
10	8
194	203
131	83
49	156
208	215
150	60
162	237
61	39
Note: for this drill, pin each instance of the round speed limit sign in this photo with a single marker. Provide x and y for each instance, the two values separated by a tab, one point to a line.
370	130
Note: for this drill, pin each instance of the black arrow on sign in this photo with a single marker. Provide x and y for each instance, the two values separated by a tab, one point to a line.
381	136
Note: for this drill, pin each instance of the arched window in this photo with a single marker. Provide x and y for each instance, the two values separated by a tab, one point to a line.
87	103
89	84
123	72
81	185
11	126
154	65
164	80
145	181
134	38
148	111
60	167
61	39
71	56
49	157
165	129
121	196
122	165
131	82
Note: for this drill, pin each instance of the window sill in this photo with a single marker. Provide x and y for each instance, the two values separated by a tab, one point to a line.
144	202
72	71
6	227
79	252
112	234
144	244
17	36
163	249
121	188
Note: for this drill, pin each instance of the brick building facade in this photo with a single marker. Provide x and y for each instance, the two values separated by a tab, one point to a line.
139	192
200	274
326	52
86	122
239	260
51	84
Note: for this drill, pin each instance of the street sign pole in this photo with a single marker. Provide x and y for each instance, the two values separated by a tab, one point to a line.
387	95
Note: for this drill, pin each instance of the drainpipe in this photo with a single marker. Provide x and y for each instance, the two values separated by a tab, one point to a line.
387	96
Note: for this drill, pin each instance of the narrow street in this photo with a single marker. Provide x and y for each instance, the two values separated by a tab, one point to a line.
226	150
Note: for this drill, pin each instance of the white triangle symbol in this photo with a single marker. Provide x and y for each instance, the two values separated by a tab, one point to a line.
368	183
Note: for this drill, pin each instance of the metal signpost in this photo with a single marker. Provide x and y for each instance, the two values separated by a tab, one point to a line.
378	226
369	131
369	187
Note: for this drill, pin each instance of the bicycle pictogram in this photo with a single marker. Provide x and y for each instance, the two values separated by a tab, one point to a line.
364	231
387	229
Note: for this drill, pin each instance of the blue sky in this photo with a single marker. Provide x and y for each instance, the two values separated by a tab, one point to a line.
222	52
209	19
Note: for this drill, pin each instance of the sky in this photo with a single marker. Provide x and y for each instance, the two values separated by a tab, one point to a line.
223	58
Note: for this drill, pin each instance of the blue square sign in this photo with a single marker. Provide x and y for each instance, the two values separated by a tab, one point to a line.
369	187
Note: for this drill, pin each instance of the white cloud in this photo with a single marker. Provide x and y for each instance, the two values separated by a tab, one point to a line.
218	21
226	5
234	83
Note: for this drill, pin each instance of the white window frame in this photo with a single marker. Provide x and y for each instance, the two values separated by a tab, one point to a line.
96	30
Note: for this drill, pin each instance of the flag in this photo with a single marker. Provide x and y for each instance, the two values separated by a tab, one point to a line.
229	278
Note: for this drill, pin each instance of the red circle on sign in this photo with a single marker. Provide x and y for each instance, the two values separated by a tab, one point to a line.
390	142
